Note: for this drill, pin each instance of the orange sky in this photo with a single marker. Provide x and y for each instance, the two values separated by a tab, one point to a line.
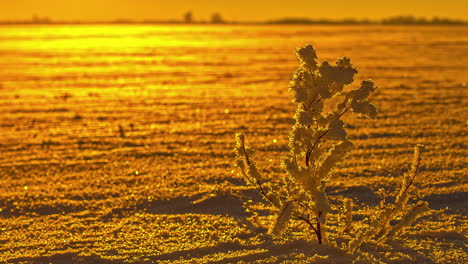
239	10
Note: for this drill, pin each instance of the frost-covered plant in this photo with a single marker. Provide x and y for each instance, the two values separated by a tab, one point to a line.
318	142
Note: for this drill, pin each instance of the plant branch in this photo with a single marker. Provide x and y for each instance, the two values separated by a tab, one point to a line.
311	225
309	151
257	184
346	110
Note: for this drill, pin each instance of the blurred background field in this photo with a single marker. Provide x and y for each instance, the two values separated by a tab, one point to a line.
116	140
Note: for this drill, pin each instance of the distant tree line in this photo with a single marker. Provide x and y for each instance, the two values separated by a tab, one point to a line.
397	20
410	20
216	18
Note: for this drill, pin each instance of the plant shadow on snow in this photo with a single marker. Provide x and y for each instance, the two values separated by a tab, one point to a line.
205	203
361	194
454	202
266	250
10	210
223	202
407	254
306	251
65	258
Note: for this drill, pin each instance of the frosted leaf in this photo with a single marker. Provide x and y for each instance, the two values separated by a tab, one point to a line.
253	172
335	156
321	204
240	140
327	71
336	130
304	117
240	163
367	88
326	78
346	75
323	121
249	151
336	88
300	139
282	218
290	166
317	134
344	62
308	80
300	95
307	55
364	108
316	109
345	71
340	107
333	78
316	155
310	183
323	89
296	86
302	85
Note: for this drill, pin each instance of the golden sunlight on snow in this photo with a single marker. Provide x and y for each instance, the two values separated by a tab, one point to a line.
117	141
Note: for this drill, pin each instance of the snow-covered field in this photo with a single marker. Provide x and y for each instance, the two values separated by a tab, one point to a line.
116	141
